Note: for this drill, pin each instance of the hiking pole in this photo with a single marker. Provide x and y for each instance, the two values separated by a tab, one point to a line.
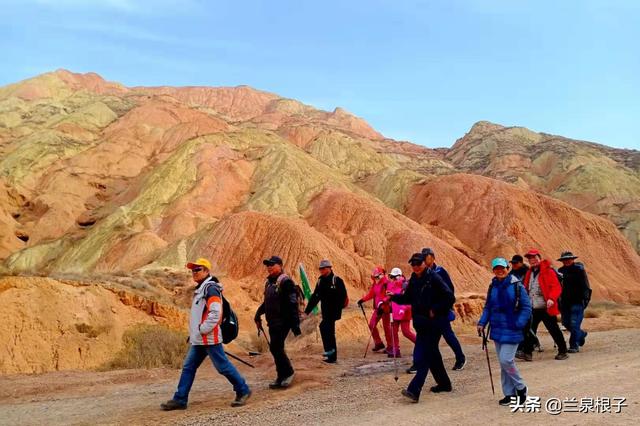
370	335
393	342
238	359
486	351
260	329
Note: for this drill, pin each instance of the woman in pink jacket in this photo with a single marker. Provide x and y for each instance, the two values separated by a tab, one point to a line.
382	308
401	313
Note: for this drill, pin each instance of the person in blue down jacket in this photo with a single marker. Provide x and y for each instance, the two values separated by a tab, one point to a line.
507	311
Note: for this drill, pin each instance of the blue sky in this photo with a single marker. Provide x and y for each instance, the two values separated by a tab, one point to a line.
423	71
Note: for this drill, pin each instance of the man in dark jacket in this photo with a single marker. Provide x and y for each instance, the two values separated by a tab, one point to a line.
519	270
518	267
332	294
575	297
280	307
430	299
447	333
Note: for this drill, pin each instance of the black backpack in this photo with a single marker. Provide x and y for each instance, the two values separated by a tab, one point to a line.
588	291
300	299
229	324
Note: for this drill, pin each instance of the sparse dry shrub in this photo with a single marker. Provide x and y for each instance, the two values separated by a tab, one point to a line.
150	346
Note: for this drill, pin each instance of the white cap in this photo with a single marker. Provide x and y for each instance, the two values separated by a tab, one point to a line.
396	272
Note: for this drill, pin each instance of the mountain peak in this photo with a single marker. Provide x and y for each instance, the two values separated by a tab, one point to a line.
60	83
485	127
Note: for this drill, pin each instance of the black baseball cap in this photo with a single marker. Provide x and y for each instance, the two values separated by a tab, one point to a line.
517	259
417	257
428	251
273	260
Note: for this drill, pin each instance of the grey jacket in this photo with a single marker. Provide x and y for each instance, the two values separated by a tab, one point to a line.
206	314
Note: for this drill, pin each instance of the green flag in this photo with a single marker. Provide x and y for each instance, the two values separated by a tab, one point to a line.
306	289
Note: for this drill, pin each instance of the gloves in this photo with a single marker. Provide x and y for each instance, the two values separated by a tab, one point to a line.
380	310
296	331
360	302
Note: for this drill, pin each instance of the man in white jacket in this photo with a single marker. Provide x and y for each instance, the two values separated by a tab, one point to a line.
205	337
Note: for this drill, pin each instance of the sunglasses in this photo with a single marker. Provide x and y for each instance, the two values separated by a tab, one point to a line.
194	270
378	276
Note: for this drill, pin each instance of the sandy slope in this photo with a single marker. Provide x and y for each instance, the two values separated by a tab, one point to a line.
356	391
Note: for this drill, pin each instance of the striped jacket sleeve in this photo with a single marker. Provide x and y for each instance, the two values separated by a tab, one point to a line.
213	312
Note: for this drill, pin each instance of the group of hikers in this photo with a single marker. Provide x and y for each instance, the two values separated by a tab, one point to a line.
519	297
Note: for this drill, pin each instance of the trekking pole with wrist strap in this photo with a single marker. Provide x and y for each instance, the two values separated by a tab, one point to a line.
370	335
486	351
239	359
260	329
393	350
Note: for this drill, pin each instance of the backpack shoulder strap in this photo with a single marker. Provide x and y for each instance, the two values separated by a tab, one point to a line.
489	292
282	278
516	289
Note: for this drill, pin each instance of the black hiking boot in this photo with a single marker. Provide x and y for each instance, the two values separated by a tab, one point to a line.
459	365
329	361
522	395
241	399
527	357
412	397
441	388
329	354
573	350
561	356
172	404
507	400
412	369
276	384
378	347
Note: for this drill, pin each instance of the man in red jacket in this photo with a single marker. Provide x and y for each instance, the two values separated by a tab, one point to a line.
541	281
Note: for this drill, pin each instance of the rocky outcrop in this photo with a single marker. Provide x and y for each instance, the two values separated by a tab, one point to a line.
595	178
498	219
52	325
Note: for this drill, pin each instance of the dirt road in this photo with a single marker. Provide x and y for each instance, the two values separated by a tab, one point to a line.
355	391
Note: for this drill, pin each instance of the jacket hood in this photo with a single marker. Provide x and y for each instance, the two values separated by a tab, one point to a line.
509	279
209	280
